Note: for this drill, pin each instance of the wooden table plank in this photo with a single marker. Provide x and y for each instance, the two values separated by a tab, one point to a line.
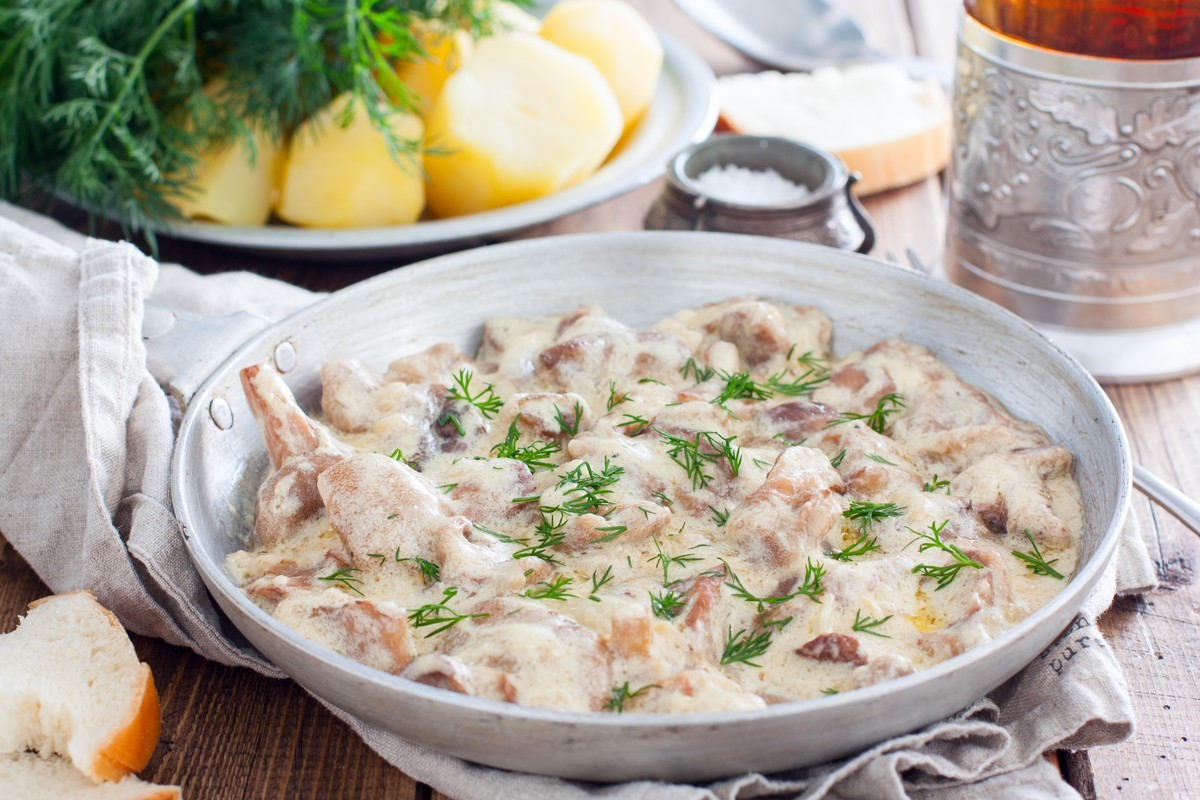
1154	637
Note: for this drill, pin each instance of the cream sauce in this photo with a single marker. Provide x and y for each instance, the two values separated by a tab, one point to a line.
632	595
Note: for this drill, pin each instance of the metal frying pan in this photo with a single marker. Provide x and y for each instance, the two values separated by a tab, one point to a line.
638	278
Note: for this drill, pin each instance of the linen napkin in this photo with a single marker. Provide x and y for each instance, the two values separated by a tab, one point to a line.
84	463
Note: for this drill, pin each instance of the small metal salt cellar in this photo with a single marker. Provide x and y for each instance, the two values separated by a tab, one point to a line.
827	213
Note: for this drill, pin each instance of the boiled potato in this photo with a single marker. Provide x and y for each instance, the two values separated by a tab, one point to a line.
523	118
618	40
234	184
345	177
447	51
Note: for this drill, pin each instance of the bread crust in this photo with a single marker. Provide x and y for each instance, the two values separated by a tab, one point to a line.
133	743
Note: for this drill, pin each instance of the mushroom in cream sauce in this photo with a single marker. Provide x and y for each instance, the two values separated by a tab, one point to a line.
710	514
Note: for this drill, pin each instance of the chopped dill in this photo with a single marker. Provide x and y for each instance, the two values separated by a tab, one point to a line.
1036	562
877	420
865	514
345	577
868	625
439	614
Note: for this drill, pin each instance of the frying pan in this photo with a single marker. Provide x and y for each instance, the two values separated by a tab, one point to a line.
639	278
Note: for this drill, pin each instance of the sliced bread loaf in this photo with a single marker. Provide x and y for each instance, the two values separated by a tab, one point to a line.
891	129
28	776
71	684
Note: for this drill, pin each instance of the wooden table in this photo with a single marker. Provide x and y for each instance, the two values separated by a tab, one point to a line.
230	733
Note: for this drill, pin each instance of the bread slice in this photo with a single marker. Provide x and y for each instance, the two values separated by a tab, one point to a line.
28	776
886	126
71	684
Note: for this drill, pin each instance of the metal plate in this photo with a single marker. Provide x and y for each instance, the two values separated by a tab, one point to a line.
683	111
638	278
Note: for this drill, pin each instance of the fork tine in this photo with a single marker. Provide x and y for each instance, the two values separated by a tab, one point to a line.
915	261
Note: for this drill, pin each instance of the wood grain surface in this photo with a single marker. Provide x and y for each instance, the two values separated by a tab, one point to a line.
233	734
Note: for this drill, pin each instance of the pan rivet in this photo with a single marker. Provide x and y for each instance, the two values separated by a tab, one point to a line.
221	413
285	357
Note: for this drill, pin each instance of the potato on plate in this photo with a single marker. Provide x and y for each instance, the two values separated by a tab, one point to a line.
523	118
340	176
234	184
447	51
618	40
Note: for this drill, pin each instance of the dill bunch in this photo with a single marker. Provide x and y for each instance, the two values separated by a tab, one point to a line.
103	99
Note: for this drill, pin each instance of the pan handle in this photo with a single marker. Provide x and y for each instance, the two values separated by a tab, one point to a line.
183	348
1182	507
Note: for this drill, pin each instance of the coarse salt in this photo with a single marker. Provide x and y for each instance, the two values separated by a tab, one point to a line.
735	184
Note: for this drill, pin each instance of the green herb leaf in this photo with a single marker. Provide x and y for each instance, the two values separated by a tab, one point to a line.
865	514
742	647
868	625
439	614
1036	562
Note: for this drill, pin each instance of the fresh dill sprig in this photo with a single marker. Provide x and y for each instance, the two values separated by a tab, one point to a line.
810	361
837	460
499	536
1036	562
740	386
945	574
398	455
598	582
345	577
610	532
862	545
665	561
532	455
878	459
587	489
719	517
742	647
666	604
935	484
701	374
447	488
865	514
550	533
830	692
877	420
782	383
558	589
439	614
569	428
634	423
867	624
707	447
614	398
430	571
623	694
380	558
810	587
647	379
486	399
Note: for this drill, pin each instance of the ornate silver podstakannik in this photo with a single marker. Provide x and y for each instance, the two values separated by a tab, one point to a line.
1075	186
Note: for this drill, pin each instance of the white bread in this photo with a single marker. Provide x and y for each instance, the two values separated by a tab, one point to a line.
889	128
71	684
28	776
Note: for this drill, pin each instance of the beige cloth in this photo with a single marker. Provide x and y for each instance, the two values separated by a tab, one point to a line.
84	462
